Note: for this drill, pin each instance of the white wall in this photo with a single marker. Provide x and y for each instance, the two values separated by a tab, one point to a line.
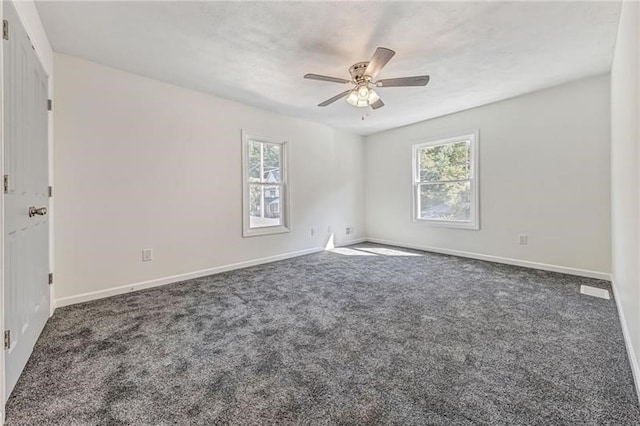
144	164
544	171
625	187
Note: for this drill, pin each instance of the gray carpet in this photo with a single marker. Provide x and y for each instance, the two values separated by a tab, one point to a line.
364	335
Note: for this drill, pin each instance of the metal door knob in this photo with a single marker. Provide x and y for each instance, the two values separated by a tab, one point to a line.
37	211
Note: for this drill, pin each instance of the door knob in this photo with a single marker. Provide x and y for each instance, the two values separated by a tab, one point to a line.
37	211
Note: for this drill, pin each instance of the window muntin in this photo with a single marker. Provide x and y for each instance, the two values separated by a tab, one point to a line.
445	182
264	186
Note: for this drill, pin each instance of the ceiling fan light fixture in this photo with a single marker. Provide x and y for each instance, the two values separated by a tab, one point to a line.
362	77
356	99
373	97
352	99
363	91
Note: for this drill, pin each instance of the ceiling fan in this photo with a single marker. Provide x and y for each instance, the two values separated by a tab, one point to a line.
363	75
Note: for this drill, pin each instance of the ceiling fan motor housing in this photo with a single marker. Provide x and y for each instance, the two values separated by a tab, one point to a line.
357	72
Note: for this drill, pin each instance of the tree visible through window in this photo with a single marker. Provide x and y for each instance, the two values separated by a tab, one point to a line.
445	187
264	183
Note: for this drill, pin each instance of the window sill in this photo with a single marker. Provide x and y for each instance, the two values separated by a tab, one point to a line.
267	230
448	224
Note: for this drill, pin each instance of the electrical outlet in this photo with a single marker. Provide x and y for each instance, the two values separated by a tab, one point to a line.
349	230
147	255
523	239
313	231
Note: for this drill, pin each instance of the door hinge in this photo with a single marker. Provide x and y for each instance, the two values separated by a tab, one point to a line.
50	278
5	29
50	191
49	104
7	339
6	184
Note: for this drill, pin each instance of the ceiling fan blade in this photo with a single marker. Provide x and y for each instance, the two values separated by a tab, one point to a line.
419	80
379	59
325	78
335	98
377	104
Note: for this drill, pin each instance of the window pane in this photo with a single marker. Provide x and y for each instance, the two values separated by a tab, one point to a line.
271	163
264	206
254	161
445	162
445	201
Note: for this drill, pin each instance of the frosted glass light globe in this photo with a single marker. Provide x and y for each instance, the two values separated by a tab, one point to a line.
373	97
352	99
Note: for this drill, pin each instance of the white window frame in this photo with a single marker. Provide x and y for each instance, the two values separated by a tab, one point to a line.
247	231
474	222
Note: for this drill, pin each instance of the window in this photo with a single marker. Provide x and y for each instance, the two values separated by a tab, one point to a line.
265	193
445	183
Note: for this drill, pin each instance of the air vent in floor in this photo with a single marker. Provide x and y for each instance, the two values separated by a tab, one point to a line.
594	291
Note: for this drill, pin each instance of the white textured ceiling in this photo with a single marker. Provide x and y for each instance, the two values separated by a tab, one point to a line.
257	53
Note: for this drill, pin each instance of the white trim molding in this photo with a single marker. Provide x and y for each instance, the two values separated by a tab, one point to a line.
283	184
86	297
631	353
114	291
351	242
497	259
474	175
3	397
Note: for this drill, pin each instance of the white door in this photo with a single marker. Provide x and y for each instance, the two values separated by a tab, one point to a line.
26	239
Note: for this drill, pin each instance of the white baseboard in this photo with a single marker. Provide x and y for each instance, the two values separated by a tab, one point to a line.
631	353
506	260
100	294
86	297
351	242
65	301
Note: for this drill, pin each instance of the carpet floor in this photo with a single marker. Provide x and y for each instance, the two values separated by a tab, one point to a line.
366	334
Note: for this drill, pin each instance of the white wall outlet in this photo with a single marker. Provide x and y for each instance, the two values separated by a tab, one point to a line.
349	230
523	239
313	231
147	255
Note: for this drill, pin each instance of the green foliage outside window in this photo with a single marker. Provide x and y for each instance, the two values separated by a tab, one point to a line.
264	167
445	181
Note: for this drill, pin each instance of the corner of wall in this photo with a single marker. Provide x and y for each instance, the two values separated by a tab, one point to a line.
631	352
625	179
